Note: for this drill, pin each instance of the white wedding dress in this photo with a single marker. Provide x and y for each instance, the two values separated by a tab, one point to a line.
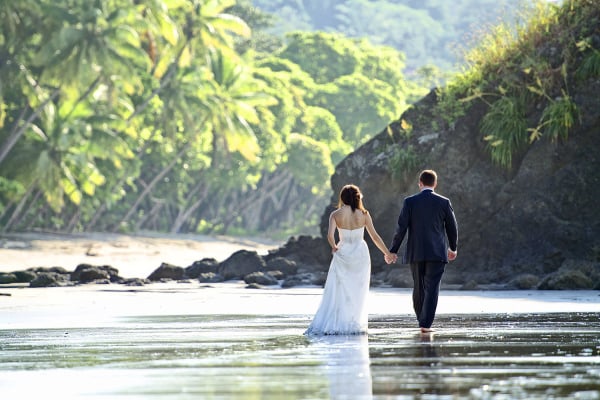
343	309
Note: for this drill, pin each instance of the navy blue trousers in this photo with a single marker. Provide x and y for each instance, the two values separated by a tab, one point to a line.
427	276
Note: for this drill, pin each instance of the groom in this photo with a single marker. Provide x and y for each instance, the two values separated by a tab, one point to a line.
429	220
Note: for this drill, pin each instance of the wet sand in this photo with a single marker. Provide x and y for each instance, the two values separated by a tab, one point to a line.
182	341
223	341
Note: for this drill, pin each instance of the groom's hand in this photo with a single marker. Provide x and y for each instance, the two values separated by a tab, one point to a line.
452	255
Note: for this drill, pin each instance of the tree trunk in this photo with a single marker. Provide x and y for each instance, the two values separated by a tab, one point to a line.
184	214
19	127
267	190
74	220
151	215
151	186
19	208
164	81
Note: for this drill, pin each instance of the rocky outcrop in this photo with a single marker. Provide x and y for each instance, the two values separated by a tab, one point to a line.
517	227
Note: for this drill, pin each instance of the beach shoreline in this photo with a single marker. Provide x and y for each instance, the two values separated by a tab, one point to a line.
105	304
135	256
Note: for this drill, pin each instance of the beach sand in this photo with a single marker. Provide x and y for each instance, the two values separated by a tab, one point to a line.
138	256
224	341
135	256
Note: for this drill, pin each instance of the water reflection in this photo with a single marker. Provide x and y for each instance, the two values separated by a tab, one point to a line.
346	364
426	346
267	357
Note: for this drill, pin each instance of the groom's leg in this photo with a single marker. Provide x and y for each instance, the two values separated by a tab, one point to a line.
418	274
431	290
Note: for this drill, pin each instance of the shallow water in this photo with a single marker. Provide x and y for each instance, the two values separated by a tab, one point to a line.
474	356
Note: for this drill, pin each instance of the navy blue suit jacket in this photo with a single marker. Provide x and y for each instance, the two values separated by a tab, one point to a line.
429	220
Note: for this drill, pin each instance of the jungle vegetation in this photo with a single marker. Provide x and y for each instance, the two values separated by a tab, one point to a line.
190	116
179	116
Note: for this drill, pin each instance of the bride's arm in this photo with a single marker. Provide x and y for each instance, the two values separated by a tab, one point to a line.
375	236
331	233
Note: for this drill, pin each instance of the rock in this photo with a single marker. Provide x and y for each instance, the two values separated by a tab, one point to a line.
276	274
470	285
48	279
6	278
254	286
525	282
167	272
93	274
526	219
210	277
202	266
134	282
573	274
566	280
261	278
309	253
240	264
305	279
399	277
86	273
24	276
285	266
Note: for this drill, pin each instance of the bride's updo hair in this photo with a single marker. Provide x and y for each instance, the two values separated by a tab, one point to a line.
350	195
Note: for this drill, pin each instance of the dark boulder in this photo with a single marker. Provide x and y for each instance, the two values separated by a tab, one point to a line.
240	264
85	273
261	278
24	276
167	272
202	266
573	274
305	279
308	253
93	274
283	265
134	282
566	280
399	277
48	279
210	277
6	278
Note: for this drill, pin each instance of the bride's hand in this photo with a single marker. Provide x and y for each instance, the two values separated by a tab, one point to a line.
334	249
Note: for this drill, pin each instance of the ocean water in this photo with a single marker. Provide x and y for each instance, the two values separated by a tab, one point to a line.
226	342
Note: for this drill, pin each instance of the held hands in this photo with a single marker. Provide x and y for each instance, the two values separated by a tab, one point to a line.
391	258
452	255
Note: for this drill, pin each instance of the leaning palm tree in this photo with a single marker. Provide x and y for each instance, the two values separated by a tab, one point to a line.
89	45
234	100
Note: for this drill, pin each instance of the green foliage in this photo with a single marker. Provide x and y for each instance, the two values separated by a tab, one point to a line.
324	56
169	115
402	162
310	161
526	63
558	118
360	84
505	129
590	66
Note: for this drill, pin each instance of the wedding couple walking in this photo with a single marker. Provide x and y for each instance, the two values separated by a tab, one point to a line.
429	220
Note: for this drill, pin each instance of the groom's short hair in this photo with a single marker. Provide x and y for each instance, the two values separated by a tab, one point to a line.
428	177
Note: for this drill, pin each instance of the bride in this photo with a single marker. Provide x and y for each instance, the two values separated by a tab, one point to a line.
343	310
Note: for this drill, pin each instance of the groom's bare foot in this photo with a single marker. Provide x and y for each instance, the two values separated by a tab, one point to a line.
426	330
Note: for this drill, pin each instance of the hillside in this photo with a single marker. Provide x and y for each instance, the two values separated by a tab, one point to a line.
429	33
